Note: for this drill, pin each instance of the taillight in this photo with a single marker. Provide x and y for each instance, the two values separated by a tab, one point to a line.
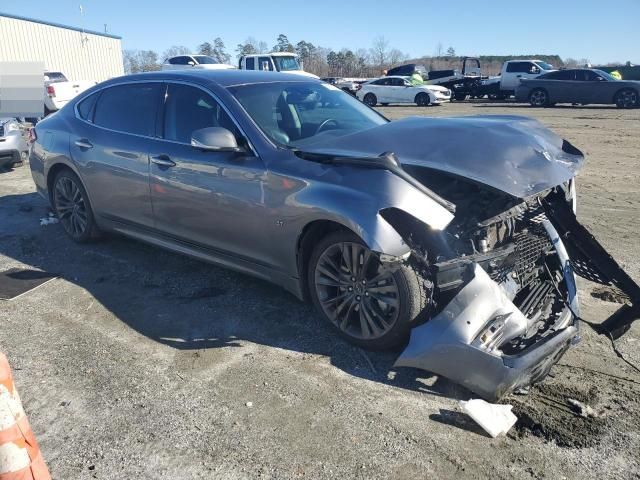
33	136
51	91
358	87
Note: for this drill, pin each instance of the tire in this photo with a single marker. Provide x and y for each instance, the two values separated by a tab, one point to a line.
423	99
71	203
460	97
370	308
626	98
539	98
370	100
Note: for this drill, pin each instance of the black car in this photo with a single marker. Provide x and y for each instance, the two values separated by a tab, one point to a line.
582	85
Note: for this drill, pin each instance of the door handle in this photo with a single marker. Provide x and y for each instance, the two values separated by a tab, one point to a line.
84	143
163	161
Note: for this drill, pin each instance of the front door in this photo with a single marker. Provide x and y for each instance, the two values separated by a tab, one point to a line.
214	200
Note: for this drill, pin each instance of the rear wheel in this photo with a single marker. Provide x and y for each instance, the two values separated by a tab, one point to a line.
372	305
539	98
72	206
627	98
370	99
423	99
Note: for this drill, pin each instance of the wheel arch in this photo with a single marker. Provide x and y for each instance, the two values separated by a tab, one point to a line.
622	89
53	171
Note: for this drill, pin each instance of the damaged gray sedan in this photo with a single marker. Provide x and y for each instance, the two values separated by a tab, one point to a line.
456	235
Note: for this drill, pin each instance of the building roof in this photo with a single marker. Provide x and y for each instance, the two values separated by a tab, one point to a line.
59	25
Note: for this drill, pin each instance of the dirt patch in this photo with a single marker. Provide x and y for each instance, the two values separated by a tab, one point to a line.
609	294
547	414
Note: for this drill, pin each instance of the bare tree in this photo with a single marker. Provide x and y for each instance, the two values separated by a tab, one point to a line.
379	51
136	61
176	50
438	51
396	56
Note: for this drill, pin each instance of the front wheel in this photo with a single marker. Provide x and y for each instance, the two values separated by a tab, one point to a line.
71	203
627	98
423	99
371	304
370	99
539	98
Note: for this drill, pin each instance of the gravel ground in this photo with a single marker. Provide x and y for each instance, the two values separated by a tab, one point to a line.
138	363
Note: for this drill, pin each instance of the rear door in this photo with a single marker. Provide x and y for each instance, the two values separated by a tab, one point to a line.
381	89
111	147
213	200
562	86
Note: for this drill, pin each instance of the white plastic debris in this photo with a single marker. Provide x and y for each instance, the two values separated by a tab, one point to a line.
495	419
51	219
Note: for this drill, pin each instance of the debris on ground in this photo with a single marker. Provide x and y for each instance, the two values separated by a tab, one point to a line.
495	419
582	409
49	220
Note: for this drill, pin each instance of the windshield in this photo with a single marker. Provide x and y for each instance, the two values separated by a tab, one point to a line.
296	114
605	75
54	77
284	64
204	60
545	66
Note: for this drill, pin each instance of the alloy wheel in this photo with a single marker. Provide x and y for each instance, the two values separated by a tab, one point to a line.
355	292
71	206
538	98
627	99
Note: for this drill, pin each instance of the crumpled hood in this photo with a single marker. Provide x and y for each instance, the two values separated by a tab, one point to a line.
516	155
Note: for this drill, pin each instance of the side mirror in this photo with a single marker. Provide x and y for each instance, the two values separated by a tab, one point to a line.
191	62
215	139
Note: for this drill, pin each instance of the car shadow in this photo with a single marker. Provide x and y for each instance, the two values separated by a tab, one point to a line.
188	305
555	107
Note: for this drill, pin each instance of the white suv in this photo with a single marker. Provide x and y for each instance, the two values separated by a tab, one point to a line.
396	89
202	62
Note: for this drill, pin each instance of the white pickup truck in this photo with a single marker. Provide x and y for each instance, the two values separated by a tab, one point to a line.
273	62
58	90
512	72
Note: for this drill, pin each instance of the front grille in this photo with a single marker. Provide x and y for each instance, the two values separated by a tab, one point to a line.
531	247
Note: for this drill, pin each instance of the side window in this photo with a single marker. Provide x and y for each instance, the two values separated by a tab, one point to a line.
514	67
86	107
397	82
567	75
250	63
188	109
588	76
129	108
382	81
264	63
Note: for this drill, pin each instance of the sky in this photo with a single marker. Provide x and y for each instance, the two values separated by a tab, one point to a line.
592	29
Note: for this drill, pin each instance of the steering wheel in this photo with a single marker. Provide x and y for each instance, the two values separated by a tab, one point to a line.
325	123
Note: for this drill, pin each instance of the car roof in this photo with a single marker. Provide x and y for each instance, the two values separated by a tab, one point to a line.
224	78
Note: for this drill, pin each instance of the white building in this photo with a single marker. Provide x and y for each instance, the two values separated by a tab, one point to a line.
79	54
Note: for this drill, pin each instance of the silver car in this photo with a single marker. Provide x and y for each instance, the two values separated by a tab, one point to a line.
13	147
453	235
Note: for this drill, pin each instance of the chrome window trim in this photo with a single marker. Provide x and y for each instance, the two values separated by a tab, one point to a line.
252	150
